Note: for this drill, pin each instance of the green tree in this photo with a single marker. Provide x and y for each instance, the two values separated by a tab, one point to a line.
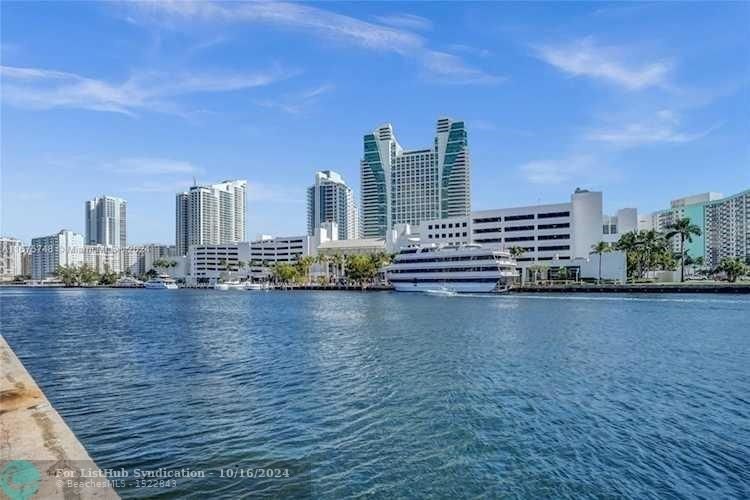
516	251
284	273
361	268
303	267
685	230
732	268
599	249
68	275
87	275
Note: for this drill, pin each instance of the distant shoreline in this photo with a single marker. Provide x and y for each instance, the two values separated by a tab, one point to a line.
741	288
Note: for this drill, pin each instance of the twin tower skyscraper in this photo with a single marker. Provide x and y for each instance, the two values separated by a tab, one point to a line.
397	185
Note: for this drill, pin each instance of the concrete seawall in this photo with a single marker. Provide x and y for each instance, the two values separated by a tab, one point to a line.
40	457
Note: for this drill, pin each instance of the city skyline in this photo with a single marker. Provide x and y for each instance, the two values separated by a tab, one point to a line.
645	115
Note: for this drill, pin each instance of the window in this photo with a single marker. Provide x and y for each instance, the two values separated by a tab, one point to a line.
520	238
550	215
561	225
554	247
554	237
519	217
488	219
519	228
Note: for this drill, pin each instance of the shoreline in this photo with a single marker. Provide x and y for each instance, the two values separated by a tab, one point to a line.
655	288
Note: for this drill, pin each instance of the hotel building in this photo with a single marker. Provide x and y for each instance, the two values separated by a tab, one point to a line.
410	186
49	252
210	215
331	200
727	228
106	221
11	258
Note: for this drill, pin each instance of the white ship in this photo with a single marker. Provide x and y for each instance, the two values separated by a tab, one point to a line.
161	282
446	269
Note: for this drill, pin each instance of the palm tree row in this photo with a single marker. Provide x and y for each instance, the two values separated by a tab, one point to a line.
360	269
84	275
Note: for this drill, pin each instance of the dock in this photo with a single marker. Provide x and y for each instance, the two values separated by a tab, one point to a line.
40	457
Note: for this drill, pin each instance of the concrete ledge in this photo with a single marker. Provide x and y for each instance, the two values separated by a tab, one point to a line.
637	288
38	452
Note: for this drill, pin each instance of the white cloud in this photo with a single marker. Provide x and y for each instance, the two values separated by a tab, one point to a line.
663	127
574	168
38	88
296	103
406	21
444	67
151	166
585	58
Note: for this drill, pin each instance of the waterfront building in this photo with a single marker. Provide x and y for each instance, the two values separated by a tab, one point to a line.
551	235
614	226
50	252
11	258
210	215
270	250
547	232
727	228
209	263
331	200
690	207
103	258
106	221
410	186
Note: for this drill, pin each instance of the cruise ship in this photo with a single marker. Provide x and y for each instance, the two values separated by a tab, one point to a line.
451	269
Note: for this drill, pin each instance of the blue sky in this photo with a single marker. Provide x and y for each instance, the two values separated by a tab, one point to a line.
647	101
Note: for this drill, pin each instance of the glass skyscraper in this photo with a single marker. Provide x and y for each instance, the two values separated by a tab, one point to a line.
409	186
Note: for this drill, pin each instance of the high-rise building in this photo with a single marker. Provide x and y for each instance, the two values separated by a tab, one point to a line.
50	252
331	200
208	215
409	186
11	258
106	221
727	228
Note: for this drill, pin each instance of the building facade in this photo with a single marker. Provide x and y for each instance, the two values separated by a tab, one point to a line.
11	258
558	231
331	200
268	250
106	221
614	226
50	252
410	186
208	263
211	215
727	229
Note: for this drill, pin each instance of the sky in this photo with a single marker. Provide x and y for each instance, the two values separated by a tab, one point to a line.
646	102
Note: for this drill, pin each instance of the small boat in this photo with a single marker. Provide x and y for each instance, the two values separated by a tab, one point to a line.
229	285
161	282
441	292
255	287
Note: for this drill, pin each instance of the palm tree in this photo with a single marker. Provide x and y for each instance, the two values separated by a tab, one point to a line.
67	274
685	230
733	268
600	248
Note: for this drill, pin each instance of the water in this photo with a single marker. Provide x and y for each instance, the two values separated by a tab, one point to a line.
400	396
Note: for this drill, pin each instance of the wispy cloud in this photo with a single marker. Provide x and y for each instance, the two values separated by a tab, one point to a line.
611	64
151	166
444	67
406	21
664	127
577	168
298	102
38	88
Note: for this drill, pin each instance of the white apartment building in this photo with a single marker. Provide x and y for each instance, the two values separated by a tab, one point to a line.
331	200
410	186
103	258
210	215
727	228
49	252
106	221
11	258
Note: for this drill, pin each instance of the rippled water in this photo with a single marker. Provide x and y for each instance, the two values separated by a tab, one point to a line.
400	396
